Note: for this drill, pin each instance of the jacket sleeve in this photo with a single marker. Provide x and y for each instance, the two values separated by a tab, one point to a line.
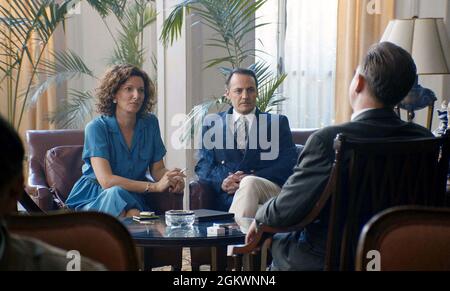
303	189
207	169
280	169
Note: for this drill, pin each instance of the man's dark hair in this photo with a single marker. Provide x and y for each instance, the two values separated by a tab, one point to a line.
390	72
241	71
11	153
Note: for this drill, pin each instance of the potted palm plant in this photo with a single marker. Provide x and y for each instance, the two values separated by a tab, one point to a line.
232	22
26	28
133	17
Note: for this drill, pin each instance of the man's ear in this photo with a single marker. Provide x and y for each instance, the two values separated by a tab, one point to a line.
360	83
227	93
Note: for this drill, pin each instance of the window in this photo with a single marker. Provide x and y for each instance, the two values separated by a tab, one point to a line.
301	41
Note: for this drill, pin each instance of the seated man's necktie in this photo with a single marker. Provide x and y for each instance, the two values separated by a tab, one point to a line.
241	127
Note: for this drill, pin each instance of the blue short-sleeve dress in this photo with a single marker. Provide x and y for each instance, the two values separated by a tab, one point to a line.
103	139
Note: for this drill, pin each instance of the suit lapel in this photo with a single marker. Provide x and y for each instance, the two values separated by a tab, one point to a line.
230	154
250	154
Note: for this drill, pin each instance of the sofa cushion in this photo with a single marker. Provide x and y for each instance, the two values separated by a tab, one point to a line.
62	169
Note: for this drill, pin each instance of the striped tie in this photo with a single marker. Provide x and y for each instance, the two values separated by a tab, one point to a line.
241	132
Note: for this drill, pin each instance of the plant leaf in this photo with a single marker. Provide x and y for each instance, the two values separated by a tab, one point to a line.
73	112
67	66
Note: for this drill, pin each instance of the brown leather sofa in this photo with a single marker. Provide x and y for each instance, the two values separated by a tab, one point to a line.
201	196
39	142
55	165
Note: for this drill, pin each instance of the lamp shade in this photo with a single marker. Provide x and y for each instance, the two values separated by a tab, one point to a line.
426	39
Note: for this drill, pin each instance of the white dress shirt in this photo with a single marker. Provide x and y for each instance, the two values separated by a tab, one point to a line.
250	117
356	114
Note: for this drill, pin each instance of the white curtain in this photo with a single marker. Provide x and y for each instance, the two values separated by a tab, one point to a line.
267	36
310	62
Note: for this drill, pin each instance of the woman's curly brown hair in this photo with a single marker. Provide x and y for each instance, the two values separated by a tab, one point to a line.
111	82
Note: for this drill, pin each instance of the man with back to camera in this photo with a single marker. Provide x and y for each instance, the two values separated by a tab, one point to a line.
384	78
240	168
18	253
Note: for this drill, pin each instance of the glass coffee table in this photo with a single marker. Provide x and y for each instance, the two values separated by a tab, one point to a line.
155	234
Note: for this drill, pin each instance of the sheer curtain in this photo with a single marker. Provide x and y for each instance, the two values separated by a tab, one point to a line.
357	31
35	116
310	62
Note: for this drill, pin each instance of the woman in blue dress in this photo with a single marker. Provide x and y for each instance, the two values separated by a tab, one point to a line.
120	146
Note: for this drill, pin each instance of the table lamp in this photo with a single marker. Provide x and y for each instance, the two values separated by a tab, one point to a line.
426	39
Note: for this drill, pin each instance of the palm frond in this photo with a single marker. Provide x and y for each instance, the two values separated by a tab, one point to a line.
118	7
217	61
231	20
66	61
225	71
106	7
129	47
195	119
196	116
67	66
49	14
127	54
268	99
173	24
23	24
149	15
262	71
74	111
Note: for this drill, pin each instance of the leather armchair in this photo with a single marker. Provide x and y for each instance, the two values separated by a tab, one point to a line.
84	232
55	165
201	196
39	142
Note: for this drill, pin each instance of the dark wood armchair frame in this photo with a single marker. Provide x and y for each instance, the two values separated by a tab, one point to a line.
97	236
427	231
423	185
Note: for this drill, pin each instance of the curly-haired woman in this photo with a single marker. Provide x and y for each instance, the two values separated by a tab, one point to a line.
120	146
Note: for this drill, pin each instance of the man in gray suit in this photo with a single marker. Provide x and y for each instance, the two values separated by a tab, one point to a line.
384	78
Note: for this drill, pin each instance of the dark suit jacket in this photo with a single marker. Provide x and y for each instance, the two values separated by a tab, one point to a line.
305	250
215	164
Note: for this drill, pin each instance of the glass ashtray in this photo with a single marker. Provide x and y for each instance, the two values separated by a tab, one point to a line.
180	232
180	218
